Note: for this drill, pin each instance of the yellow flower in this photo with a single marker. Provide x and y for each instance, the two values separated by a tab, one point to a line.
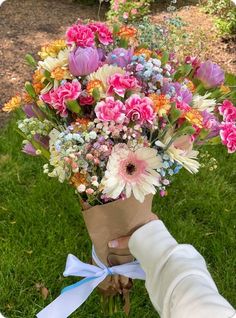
95	84
59	73
38	76
52	49
161	104
225	89
194	117
60	60
13	104
191	86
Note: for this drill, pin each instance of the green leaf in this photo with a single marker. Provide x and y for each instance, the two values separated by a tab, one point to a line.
230	79
96	94
30	60
203	134
123	43
183	71
174	114
116	29
214	141
30	90
165	58
74	106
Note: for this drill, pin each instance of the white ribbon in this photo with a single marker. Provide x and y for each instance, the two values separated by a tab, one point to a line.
74	296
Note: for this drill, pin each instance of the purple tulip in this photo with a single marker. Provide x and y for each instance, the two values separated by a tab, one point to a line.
210	74
33	111
42	140
120	57
83	61
29	149
101	54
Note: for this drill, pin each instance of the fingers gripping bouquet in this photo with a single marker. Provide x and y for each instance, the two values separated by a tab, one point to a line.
117	121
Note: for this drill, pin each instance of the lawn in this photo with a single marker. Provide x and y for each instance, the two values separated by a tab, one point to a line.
40	223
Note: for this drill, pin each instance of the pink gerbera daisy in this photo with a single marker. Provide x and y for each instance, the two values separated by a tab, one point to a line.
132	172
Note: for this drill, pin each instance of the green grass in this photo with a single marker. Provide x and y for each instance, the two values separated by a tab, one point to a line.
40	223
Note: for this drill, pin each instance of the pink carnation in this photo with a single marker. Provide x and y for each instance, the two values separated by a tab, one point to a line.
228	111
140	109
228	136
58	97
183	106
110	109
81	35
85	99
119	83
102	31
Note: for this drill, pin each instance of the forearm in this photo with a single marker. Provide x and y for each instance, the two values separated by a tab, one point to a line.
177	279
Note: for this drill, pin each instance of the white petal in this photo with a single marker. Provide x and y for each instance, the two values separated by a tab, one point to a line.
128	190
138	194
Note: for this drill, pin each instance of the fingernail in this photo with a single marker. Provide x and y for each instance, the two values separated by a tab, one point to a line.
113	244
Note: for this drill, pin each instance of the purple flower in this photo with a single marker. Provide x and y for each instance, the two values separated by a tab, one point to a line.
33	111
182	92
101	54
120	57
29	149
43	141
83	61
210	74
211	122
178	92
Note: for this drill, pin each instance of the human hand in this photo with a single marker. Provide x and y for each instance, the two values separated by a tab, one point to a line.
122	242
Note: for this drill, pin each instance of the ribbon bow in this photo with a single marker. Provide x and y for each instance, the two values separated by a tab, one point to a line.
73	296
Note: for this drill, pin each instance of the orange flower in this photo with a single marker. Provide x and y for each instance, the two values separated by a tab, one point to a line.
77	179
13	104
141	51
161	104
80	124
58	73
127	32
83	121
94	84
52	49
38	76
194	117
38	87
26	97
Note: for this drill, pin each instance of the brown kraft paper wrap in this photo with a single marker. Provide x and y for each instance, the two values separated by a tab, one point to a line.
108	222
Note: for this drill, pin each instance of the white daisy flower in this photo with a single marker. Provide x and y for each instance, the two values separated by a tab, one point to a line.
132	172
181	150
202	103
50	63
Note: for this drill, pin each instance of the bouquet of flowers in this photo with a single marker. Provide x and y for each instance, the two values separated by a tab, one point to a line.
117	121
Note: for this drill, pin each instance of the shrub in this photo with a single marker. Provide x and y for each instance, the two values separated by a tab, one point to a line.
226	12
128	10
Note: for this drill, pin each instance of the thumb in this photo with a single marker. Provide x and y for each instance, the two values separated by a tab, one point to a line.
121	242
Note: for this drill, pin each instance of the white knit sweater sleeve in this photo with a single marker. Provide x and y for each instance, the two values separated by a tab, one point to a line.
177	279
